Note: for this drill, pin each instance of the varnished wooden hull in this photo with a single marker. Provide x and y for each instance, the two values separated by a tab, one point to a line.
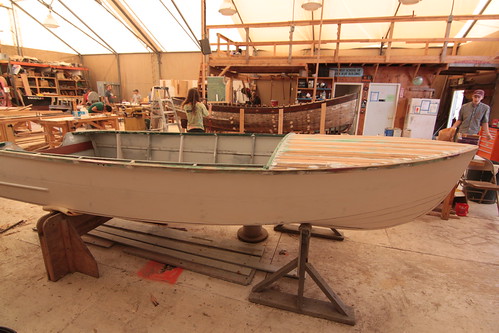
339	116
351	193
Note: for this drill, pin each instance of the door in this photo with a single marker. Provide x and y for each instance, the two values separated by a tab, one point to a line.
457	102
381	107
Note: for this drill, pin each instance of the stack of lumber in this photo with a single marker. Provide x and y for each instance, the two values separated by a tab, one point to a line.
229	260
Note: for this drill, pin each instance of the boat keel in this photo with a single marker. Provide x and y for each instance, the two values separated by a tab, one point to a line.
334	310
63	249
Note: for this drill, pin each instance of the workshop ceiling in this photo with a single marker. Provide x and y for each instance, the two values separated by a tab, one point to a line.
137	26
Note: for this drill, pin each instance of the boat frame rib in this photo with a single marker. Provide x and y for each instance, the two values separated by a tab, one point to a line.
334	310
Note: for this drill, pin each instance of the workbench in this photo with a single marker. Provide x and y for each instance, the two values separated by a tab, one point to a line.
56	128
12	120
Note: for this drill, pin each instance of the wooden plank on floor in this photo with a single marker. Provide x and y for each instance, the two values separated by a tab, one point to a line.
163	231
228	246
128	238
97	241
198	268
225	255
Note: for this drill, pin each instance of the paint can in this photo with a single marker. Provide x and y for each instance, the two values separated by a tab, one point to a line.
462	209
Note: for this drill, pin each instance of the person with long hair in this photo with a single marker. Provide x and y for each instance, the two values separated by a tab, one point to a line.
195	111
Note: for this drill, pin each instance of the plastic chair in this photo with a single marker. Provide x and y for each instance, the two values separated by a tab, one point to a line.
479	188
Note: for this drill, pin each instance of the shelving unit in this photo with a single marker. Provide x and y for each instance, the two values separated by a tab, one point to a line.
305	88
44	85
49	80
71	87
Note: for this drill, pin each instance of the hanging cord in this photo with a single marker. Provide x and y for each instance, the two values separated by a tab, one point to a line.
291	31
318	54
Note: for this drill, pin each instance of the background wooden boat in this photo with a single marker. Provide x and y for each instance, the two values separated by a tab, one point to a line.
351	182
339	116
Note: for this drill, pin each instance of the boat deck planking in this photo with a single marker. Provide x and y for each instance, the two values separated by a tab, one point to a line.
326	151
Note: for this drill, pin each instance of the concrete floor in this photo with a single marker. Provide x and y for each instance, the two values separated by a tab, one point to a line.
429	275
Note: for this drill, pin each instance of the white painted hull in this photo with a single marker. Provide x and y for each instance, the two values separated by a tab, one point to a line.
353	198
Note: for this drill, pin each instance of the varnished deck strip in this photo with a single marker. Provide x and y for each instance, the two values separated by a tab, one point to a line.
329	151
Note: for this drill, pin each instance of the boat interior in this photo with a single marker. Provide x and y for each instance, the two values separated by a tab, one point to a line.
253	150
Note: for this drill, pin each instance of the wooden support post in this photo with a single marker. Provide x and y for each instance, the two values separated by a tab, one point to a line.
337	52
280	125
241	120
322	128
389	47
447	204
63	249
375	72
443	56
247	44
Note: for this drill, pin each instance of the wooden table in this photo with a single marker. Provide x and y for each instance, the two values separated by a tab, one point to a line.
56	128
12	120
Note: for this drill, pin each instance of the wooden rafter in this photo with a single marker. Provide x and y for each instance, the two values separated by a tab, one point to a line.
385	19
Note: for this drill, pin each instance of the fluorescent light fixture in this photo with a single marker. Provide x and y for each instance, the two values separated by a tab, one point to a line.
227	8
50	21
409	2
311	5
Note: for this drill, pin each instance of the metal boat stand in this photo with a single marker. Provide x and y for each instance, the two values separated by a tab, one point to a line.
316	232
63	249
334	310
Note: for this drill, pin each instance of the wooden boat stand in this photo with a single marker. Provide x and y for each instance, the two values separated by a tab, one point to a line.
63	249
316	232
334	310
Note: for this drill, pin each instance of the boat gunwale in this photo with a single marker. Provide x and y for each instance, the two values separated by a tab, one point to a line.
291	108
213	167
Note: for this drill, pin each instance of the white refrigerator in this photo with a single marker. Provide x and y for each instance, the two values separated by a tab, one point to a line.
421	117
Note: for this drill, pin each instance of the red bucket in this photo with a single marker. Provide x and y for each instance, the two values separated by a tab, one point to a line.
462	209
274	102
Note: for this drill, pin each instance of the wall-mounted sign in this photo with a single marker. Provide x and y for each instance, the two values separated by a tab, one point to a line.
346	72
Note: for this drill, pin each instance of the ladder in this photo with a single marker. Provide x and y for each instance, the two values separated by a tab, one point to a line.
163	111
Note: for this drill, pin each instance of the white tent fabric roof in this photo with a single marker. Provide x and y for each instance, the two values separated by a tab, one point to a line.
95	26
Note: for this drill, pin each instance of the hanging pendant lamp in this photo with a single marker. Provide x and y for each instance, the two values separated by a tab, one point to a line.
227	8
50	21
409	2
311	5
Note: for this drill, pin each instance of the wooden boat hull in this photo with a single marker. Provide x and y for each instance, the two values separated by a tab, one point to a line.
338	116
342	197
